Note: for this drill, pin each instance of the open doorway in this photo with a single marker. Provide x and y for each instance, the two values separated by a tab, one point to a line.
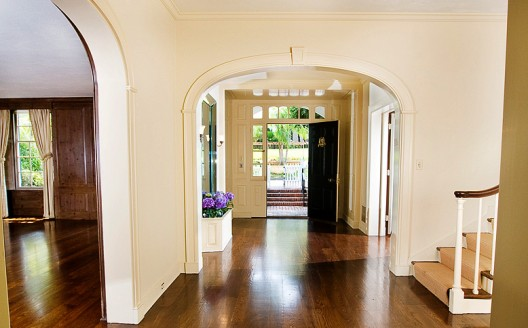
287	165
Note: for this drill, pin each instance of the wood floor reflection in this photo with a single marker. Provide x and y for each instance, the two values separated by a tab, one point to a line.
296	273
274	273
53	274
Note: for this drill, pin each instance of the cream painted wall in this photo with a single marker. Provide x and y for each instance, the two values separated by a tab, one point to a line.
149	44
509	298
452	68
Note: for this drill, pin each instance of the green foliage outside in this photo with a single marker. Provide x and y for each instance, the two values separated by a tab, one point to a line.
30	165
282	134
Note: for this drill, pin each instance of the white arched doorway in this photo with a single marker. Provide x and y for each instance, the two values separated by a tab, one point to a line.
113	154
401	229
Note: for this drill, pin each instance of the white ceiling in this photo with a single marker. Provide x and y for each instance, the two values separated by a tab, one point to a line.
339	6
42	56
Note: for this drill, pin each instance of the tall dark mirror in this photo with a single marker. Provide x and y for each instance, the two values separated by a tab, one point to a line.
208	140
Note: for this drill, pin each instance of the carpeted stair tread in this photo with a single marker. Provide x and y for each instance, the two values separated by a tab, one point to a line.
447	257
486	241
437	278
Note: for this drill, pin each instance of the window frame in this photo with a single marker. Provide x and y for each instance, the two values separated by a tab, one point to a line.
16	157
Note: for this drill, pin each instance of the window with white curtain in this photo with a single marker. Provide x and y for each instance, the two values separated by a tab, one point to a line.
28	163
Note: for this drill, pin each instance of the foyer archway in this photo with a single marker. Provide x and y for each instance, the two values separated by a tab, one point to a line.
113	102
401	231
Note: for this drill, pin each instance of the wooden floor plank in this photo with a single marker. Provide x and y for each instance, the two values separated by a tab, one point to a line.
274	273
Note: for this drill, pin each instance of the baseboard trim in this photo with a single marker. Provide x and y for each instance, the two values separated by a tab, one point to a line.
351	223
155	292
401	270
192	267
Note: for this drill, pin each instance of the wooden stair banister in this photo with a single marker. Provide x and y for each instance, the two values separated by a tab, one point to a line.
457	293
465	273
478	193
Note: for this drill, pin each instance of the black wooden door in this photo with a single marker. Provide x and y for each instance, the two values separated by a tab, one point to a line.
322	171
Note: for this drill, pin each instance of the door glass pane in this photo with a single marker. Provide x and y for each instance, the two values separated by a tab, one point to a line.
293	112
257	150
257	112
283	112
273	112
305	112
320	112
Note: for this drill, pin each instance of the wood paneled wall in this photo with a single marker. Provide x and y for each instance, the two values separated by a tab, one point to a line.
74	160
73	131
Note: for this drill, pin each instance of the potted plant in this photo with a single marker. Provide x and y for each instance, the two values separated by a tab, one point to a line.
217	204
216	220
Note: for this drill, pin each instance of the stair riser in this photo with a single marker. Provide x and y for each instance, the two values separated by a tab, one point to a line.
285	204
447	257
485	243
284	191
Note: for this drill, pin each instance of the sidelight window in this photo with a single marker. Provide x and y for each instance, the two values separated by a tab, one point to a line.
258	150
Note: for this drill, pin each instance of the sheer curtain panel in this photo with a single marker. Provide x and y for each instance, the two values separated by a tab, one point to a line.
41	123
4	137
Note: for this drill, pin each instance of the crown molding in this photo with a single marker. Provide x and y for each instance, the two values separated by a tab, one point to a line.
177	14
171	8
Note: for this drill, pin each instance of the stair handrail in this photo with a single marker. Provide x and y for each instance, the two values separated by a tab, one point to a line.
478	193
461	199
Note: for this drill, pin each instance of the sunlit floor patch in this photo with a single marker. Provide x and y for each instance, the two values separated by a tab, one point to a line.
23	220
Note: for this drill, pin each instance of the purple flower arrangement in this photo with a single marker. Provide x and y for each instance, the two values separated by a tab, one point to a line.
216	204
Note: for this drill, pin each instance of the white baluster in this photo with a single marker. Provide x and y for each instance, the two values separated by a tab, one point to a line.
457	279
495	222
477	250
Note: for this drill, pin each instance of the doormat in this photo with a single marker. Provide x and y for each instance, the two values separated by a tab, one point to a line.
23	220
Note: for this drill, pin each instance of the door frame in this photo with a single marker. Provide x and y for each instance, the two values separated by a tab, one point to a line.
387	166
378	126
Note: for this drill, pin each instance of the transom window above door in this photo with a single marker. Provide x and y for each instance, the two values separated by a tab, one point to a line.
288	112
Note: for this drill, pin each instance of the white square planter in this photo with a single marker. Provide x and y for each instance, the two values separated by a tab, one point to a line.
216	232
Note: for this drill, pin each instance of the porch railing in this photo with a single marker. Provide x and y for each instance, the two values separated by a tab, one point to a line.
291	177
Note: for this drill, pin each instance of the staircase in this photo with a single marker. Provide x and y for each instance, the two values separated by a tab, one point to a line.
463	277
286	197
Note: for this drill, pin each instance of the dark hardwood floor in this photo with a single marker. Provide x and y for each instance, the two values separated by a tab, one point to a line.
274	273
53	274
